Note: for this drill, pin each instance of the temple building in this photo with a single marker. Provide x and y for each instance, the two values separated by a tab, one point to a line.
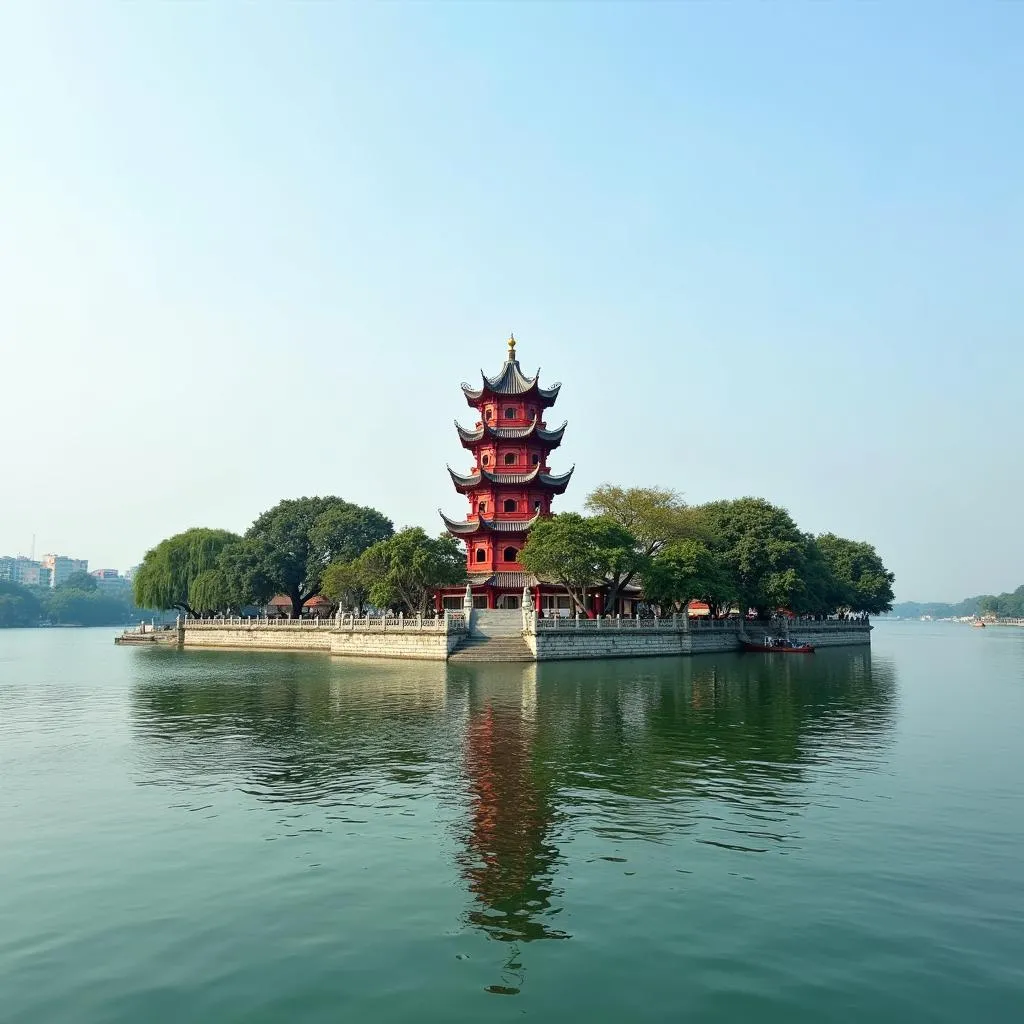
509	486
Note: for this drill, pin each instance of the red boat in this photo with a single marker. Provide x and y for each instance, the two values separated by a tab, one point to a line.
777	645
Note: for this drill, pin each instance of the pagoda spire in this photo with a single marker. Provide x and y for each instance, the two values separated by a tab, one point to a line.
511	347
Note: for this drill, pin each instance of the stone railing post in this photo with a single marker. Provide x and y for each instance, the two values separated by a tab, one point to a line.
529	615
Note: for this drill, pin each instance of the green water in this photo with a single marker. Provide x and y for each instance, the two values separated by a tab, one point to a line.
205	836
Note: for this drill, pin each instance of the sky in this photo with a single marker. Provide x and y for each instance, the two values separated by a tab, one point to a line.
249	252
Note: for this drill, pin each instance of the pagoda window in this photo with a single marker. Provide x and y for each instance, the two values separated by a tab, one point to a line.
488	414
536	505
486	460
511	554
482	506
535	459
510	413
481	554
510	505
510	459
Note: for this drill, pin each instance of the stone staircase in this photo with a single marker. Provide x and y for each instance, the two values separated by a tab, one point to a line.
496	635
491	648
497	622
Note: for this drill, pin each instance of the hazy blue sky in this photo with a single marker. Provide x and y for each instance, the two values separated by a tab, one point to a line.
249	252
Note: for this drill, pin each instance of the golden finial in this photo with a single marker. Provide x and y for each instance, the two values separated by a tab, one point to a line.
511	348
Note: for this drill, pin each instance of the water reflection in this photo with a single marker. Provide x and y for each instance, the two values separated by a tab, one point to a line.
520	762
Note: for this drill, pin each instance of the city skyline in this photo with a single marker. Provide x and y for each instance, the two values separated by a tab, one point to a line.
771	255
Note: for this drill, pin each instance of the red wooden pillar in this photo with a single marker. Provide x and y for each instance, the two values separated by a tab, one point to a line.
438	602
490	597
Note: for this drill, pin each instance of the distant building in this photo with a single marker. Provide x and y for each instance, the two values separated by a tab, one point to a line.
316	607
25	571
130	573
61	567
110	580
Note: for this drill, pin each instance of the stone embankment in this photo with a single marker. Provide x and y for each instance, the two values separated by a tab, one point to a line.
479	635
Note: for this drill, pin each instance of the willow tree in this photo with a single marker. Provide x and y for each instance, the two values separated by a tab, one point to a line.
169	571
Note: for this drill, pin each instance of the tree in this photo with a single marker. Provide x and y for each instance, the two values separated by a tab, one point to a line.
407	568
763	550
80	581
579	553
71	607
654	516
287	549
18	605
211	592
687	570
168	570
346	584
866	585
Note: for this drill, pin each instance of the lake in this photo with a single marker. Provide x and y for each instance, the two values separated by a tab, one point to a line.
218	836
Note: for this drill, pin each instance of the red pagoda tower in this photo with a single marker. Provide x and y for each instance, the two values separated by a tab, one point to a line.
509	486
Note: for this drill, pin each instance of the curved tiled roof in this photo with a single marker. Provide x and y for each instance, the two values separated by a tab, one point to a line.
473	526
557	482
510	380
549	437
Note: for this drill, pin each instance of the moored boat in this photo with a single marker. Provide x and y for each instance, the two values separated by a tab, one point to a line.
777	645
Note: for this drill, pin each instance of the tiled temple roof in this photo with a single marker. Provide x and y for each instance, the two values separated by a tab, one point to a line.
510	380
552	438
552	481
473	526
503	579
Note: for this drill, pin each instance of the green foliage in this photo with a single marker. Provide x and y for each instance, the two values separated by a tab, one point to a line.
210	592
763	550
655	516
81	581
689	570
69	607
1006	606
652	516
407	568
862	582
18	605
287	549
580	552
168	570
347	584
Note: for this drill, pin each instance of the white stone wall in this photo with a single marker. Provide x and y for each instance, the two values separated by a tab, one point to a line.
826	635
410	644
570	643
556	645
259	639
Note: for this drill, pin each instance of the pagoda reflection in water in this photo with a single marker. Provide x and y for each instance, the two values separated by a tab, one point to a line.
507	855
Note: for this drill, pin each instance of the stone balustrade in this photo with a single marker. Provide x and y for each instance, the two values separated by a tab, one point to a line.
451	622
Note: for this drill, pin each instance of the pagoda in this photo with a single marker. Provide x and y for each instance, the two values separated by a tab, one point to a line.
509	486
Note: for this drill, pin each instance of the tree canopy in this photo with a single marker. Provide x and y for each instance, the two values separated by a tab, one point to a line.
689	570
1009	605
861	581
169	570
79	580
287	549
19	606
579	552
762	549
407	568
653	516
